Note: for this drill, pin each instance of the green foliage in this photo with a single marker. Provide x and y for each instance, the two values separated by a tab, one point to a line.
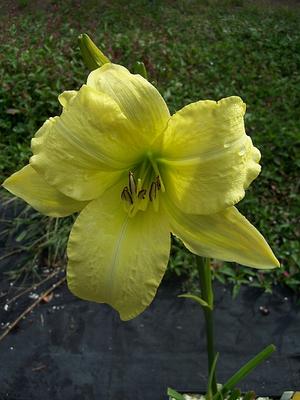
229	390
192	50
36	239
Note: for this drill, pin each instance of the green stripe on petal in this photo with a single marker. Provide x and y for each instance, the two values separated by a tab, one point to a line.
138	99
116	259
227	236
31	187
208	159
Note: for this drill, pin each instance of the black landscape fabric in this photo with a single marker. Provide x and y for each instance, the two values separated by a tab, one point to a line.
72	349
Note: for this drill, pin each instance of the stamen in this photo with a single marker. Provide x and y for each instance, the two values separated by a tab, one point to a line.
158	184
142	194
131	183
144	182
155	167
125	195
152	191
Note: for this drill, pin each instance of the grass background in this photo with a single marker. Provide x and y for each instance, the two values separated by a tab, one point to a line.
192	50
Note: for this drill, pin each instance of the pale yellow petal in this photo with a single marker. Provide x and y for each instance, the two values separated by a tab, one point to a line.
227	236
87	148
208	160
66	96
138	99
117	259
31	187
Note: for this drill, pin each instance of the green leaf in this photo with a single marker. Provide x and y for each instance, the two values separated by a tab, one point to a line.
249	395
235	394
209	394
246	369
198	299
21	236
236	290
174	395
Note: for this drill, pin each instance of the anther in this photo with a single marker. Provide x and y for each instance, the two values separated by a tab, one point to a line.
152	191
125	195
131	183
142	194
158	184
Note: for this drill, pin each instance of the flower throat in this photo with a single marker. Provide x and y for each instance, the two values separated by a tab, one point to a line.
144	184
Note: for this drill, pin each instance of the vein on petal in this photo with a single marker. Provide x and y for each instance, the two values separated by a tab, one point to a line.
114	263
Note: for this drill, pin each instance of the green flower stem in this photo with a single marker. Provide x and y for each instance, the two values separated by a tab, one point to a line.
207	295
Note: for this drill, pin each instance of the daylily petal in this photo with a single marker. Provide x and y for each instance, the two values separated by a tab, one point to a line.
138	99
118	260
227	236
208	160
66	96
31	187
86	149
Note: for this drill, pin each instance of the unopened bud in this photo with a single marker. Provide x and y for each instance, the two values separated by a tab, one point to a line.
139	68
92	56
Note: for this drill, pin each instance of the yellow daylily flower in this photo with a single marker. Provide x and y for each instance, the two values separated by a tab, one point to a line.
135	174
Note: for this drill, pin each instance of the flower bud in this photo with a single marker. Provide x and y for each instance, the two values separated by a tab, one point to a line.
93	58
139	68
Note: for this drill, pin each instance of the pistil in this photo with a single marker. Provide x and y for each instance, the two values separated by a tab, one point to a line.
156	170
